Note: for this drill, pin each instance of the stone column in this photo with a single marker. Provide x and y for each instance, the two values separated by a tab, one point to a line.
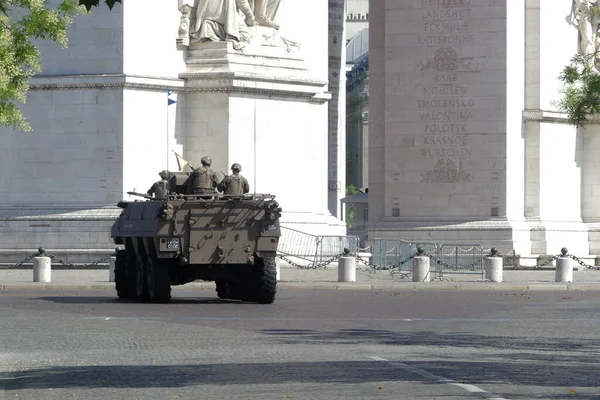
337	106
446	120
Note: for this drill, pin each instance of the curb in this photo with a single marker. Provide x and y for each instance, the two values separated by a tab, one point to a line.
282	285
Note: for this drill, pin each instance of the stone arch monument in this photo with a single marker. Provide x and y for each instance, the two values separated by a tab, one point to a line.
243	89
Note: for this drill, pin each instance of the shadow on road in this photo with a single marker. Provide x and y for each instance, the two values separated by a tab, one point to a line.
345	372
115	300
588	347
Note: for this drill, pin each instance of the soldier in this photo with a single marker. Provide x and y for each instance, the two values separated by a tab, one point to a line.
160	189
235	184
203	180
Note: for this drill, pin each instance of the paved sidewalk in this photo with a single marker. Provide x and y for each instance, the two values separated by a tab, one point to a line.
293	278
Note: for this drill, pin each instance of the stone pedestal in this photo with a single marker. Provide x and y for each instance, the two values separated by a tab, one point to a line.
261	108
72	234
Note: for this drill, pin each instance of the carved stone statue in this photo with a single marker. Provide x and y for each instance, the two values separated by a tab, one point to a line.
223	20
265	12
585	14
230	20
185	7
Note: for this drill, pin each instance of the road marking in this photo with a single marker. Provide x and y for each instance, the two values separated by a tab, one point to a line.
469	388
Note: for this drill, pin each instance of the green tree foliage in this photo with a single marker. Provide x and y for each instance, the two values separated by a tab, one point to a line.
351	208
581	89
351	189
21	23
94	3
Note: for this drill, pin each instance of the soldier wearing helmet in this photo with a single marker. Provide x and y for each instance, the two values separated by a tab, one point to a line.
203	180
235	184
160	189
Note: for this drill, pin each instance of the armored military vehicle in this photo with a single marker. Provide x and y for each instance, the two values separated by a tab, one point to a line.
231	240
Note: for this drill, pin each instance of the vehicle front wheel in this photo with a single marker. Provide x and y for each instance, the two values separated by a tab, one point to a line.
158	280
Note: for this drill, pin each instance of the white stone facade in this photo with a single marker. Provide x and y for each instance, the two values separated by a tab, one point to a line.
102	128
465	142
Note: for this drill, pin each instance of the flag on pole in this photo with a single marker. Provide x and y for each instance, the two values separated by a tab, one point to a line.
181	164
169	99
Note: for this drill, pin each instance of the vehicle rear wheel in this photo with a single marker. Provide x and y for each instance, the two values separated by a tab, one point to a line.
223	288
266	275
141	286
158	280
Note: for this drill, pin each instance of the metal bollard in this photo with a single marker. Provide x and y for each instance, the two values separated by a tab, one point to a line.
111	269
564	269
493	267
42	269
420	267
347	269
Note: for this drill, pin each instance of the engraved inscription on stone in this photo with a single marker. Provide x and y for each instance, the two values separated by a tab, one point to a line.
453	119
445	146
446	59
432	40
445	171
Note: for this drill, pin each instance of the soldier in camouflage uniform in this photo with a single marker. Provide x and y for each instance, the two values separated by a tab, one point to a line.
160	189
203	180
235	184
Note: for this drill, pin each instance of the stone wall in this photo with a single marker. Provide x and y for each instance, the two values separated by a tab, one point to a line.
471	87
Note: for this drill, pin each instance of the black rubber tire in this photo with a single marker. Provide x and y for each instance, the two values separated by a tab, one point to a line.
122	283
266	271
141	285
223	288
238	292
158	281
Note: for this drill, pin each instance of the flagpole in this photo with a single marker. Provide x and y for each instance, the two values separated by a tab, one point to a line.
168	94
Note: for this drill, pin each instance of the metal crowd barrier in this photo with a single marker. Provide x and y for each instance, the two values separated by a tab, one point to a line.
329	246
302	247
388	253
460	259
446	259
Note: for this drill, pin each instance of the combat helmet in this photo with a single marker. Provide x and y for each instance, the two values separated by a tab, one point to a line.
164	174
236	166
206	160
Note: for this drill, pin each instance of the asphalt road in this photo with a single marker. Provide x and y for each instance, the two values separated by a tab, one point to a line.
308	345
